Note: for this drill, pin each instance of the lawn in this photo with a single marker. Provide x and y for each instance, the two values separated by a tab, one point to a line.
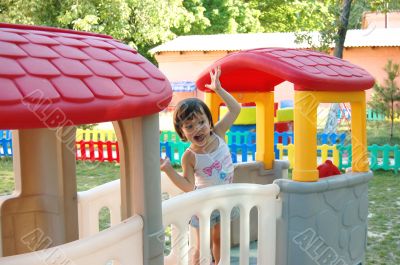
378	132
384	195
383	245
89	175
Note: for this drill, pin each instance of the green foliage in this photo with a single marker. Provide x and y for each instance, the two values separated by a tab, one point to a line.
385	96
34	12
87	126
384	5
231	16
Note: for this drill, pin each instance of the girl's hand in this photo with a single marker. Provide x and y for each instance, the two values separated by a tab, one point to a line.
165	164
215	83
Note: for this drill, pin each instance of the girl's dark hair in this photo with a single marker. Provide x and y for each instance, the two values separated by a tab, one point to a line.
186	110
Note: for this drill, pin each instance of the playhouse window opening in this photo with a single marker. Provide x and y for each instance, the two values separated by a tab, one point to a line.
104	218
7	178
334	134
97	155
167	239
253	230
241	137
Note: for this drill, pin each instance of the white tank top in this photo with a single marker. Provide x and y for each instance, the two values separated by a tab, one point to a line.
213	168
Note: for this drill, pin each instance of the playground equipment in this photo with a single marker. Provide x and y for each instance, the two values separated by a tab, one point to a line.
51	80
312	208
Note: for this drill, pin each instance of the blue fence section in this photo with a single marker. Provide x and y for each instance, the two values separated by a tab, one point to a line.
5	143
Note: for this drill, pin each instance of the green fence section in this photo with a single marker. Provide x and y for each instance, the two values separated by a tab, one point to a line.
390	156
386	157
374	116
177	148
169	136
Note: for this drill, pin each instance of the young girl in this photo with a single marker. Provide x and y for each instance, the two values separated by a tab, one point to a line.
207	161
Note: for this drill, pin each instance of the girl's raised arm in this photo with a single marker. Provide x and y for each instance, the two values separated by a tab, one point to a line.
233	106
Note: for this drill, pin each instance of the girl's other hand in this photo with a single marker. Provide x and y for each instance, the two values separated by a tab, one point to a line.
165	164
215	83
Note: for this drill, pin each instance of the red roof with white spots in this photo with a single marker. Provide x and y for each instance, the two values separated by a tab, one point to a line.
54	77
263	69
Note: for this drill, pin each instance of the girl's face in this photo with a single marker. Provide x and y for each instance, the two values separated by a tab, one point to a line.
197	130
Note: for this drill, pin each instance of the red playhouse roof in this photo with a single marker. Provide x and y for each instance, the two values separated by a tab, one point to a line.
263	69
54	77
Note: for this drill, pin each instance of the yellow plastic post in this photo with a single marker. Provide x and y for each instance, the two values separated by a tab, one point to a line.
264	121
269	155
213	101
305	133
358	134
335	156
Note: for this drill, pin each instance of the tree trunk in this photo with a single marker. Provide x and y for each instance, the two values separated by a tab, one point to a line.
338	52
392	121
343	23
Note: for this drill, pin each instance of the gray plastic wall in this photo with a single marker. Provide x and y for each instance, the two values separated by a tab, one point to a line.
323	222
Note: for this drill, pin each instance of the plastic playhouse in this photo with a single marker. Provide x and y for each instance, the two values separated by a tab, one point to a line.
53	79
333	210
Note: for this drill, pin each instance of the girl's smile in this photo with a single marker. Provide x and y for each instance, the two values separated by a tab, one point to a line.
197	130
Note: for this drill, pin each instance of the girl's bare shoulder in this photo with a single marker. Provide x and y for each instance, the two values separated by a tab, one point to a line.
188	157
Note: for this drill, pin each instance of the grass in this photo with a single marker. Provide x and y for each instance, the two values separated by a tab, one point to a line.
6	176
383	246
92	174
378	132
89	175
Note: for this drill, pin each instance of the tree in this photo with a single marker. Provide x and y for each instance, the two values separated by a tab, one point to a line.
385	96
342	28
221	16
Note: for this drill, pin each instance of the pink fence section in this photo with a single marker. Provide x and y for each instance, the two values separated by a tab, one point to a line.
97	151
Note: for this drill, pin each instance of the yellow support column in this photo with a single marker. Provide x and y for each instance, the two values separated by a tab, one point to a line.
264	121
267	137
305	133
261	128
358	134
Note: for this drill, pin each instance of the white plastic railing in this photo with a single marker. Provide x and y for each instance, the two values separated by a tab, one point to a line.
178	211
121	244
91	202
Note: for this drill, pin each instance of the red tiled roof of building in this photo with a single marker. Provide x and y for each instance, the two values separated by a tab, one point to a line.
55	77
263	69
